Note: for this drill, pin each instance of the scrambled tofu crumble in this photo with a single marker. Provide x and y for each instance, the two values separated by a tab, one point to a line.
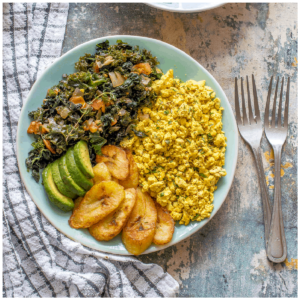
180	160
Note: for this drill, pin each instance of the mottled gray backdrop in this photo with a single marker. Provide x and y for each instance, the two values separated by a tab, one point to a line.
227	257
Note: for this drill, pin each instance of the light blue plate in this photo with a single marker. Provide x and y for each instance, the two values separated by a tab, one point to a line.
169	57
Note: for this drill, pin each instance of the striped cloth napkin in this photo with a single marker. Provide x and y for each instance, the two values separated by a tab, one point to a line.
39	261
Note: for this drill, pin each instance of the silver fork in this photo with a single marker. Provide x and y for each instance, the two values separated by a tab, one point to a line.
252	131
276	135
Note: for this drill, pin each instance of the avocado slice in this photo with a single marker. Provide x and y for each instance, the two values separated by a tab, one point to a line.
59	182
82	159
58	199
75	172
67	178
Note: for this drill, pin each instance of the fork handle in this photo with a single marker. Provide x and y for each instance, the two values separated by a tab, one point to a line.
277	250
264	192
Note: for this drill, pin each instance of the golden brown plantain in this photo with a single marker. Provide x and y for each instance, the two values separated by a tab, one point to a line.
139	231
116	161
164	227
101	173
102	199
132	181
115	179
77	202
111	226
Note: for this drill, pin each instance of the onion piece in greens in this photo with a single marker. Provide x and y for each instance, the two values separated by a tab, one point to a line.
77	93
122	112
145	80
116	78
63	111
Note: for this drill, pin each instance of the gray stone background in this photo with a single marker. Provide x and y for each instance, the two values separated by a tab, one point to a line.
227	257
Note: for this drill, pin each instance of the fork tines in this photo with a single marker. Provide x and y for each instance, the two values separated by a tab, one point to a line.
252	119
273	123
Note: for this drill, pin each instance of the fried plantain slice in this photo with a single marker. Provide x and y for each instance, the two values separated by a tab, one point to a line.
102	199
132	181
112	225
164	227
101	173
116	161
115	179
77	202
139	231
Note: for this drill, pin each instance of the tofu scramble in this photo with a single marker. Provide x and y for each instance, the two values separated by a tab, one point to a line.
182	155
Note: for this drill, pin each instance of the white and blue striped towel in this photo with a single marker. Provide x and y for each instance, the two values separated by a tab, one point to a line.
39	261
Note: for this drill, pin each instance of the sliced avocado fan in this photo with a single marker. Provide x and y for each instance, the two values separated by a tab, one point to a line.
58	199
82	159
59	182
67	178
75	172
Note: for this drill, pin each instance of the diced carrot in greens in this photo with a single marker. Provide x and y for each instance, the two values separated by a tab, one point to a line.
114	122
78	100
48	146
97	104
143	68
36	128
95	67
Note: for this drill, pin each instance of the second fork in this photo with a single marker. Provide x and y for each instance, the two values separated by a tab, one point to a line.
276	135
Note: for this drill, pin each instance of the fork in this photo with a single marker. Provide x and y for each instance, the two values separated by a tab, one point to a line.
276	135
252	131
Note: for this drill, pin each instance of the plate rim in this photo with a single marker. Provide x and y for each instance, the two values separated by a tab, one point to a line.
184	11
194	229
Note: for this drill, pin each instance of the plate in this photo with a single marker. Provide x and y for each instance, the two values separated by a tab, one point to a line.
183	7
185	67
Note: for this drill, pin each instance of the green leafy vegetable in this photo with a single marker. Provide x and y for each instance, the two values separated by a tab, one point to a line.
38	158
197	215
139	133
77	95
97	142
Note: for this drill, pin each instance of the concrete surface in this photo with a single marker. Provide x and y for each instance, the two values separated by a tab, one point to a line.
227	257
